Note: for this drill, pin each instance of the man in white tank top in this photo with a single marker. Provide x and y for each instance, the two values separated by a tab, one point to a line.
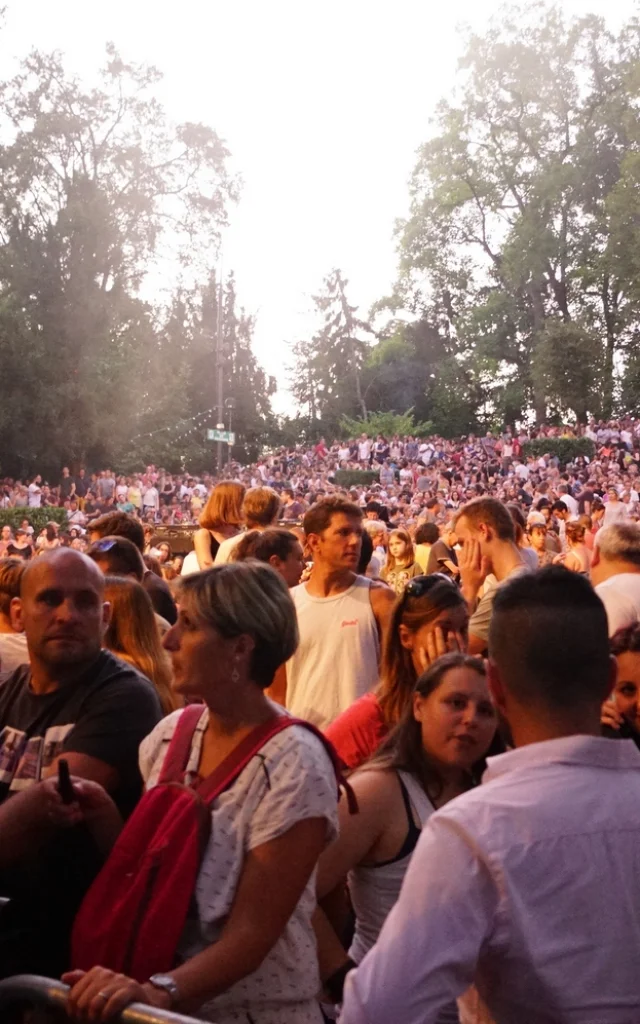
341	617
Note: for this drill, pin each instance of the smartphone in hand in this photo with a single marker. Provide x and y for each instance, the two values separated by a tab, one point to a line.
65	788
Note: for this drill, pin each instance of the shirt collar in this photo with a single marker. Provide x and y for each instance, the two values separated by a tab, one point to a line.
592	751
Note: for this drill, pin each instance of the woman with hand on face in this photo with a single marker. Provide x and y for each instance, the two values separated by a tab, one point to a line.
247	951
430	619
435	753
621	713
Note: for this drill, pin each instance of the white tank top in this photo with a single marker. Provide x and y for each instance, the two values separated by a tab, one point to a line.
339	653
375	889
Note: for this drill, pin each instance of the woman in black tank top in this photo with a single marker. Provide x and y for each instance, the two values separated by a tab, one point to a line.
220	519
434	754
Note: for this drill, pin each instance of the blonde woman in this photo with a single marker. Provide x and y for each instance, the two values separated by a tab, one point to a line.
133	635
221	518
248	954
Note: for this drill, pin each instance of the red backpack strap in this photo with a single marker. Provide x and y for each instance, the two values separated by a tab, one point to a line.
177	756
239	758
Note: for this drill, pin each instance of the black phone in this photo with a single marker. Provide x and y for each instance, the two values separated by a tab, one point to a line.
65	788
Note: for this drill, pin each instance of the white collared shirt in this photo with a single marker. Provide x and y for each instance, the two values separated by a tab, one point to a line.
527	887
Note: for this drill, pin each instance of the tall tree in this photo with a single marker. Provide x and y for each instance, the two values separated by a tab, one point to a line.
328	375
514	199
91	181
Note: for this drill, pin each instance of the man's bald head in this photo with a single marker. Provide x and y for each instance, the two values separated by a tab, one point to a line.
65	560
62	611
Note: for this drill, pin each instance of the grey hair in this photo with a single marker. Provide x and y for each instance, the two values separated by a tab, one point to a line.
373	526
246	598
620	543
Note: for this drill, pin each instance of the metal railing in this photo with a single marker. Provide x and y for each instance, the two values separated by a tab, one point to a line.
36	991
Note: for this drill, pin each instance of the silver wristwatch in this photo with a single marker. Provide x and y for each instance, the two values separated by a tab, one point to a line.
167	984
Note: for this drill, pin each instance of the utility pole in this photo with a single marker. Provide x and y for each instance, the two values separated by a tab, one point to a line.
220	369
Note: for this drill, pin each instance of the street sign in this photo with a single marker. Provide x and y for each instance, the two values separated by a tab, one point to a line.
221	435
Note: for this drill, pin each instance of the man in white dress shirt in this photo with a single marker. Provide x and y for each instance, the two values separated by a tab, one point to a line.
528	887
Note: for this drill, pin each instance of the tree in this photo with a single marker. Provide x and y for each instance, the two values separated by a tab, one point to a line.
327	377
185	367
91	182
523	199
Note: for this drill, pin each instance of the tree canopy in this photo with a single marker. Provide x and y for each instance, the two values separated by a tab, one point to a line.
98	186
518	265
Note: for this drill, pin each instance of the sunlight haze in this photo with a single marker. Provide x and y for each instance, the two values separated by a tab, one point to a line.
322	106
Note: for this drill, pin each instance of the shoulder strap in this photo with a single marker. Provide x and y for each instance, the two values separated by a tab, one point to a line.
177	756
239	758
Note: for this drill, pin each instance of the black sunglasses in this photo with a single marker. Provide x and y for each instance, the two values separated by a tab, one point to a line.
421	585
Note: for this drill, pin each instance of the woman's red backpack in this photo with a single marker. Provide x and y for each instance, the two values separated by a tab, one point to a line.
133	916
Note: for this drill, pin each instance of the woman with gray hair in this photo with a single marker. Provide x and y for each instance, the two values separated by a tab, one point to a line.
248	952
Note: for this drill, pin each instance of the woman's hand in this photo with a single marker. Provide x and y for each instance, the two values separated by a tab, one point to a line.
99	994
610	715
437	644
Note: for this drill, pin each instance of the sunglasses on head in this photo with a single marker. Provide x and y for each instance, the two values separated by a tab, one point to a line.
105	544
421	585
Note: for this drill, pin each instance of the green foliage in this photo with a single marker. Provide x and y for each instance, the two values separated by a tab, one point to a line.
525	214
356	477
566	449
38	517
93	181
389	424
568	366
327	376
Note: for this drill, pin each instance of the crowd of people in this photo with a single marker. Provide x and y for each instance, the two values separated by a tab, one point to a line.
368	754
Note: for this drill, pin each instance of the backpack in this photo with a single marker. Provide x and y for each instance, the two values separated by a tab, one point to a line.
134	914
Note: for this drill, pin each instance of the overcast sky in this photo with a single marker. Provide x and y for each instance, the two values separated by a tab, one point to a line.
322	103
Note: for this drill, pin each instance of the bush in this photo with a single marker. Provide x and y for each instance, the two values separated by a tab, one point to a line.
38	517
565	448
356	477
389	424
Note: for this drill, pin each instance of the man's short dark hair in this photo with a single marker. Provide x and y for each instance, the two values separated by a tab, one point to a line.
119	524
548	637
559	506
119	555
318	518
427	533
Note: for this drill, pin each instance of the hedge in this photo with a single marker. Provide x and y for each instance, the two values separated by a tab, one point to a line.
38	517
565	448
356	477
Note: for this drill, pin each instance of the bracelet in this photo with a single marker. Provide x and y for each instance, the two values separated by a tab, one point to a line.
335	984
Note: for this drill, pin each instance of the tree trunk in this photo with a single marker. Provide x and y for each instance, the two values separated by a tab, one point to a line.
537	305
610	324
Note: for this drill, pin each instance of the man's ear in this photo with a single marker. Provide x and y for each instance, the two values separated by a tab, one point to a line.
16	617
496	687
106	616
612	677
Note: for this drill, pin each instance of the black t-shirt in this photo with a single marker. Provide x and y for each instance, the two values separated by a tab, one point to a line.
15	552
160	594
81	486
106	713
440	550
66	484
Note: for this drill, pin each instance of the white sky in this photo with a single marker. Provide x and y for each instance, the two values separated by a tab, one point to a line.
322	103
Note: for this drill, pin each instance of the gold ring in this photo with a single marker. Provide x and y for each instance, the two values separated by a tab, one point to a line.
103	995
